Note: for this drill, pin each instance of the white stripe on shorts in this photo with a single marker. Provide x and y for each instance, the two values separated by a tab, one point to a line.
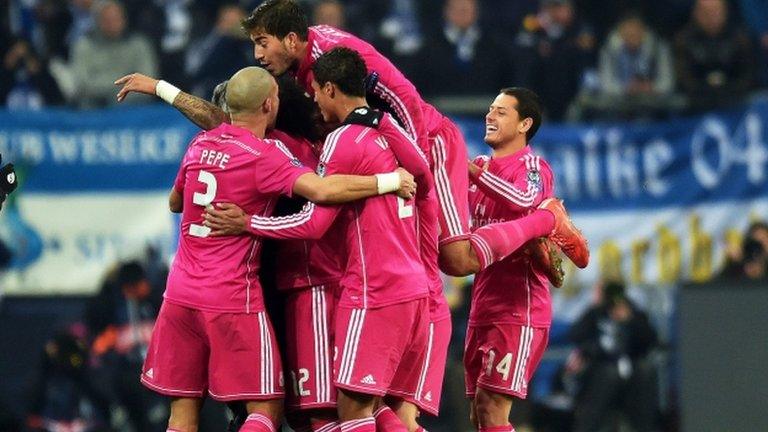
350	345
320	329
526	336
425	367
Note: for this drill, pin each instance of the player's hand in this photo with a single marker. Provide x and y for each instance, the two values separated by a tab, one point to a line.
407	184
136	82
225	220
474	170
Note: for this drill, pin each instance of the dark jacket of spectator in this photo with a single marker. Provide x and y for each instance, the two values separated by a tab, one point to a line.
714	59
613	341
555	48
462	58
221	53
600	336
25	82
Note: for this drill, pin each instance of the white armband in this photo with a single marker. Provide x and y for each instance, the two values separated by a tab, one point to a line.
386	183
166	91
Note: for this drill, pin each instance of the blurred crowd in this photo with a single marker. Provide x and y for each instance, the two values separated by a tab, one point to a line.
623	59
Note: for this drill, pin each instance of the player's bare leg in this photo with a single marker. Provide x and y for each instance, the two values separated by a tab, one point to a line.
492	410
185	414
263	416
406	412
473	413
353	405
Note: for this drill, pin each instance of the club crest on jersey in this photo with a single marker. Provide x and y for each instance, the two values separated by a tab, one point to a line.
11	177
534	177
321	169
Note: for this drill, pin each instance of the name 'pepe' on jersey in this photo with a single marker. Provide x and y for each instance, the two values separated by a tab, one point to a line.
227	164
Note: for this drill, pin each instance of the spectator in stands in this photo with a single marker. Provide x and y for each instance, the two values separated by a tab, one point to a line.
64	398
613	340
635	70
714	58
464	59
82	21
751	260
55	19
107	53
225	49
25	82
556	49
399	35
329	12
120	320
755	14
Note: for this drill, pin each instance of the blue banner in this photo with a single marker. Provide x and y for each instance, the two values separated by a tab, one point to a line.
683	162
688	161
659	202
120	149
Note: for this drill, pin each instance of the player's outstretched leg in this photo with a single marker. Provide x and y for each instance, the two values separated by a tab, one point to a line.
566	235
493	242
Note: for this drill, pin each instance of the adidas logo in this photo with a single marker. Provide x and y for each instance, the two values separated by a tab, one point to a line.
150	373
428	396
368	379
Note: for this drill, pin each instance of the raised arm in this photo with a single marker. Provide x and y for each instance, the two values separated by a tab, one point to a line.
407	151
199	111
521	193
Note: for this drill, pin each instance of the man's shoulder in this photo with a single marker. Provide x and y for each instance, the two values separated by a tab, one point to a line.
235	139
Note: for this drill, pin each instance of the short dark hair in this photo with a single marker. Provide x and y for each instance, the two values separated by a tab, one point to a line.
130	273
528	106
343	67
278	18
298	114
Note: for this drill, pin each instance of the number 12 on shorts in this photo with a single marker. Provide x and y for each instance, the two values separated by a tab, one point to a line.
502	367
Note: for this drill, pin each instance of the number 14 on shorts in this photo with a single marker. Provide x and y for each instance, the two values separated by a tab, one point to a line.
502	367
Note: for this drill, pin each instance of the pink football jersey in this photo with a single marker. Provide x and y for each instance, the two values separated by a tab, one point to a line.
419	118
412	159
226	165
305	263
510	291
383	265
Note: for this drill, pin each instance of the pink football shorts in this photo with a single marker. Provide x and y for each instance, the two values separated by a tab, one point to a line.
232	356
502	357
371	344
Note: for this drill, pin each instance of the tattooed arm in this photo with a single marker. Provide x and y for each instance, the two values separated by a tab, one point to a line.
199	111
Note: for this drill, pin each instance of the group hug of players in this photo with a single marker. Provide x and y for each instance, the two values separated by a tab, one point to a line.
389	197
